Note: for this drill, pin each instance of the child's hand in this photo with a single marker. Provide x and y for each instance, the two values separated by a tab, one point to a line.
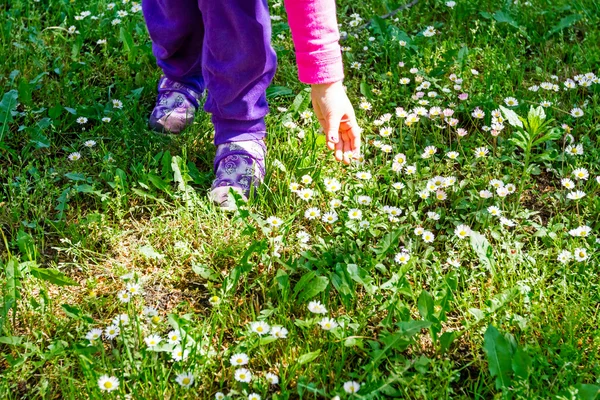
336	116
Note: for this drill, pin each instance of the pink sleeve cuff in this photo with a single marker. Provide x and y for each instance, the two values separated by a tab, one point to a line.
323	66
315	33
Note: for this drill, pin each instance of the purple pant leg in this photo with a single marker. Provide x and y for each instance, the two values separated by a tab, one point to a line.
238	66
177	33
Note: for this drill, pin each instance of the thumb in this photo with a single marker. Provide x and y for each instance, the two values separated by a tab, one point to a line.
332	127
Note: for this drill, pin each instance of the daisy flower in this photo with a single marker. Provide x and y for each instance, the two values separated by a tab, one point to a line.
253	396
364	175
576	195
495	211
108	383
239	359
111	332
94	334
564	256
507	222
481	152
306	179
429	151
173	337
511	102
316	307
485	194
428	236
179	354
124	296
260	327
328	324
134	288
364	200
152	340
272	378
351	387
402	258
274	222
355	213
117	104
580	254
582	231
185	379
74	156
243	375
453	155
462	231
576	112
574	150
385	131
312	213
279	332
335	203
330	217
581	173
305	194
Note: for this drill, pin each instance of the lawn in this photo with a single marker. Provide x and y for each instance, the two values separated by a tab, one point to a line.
457	259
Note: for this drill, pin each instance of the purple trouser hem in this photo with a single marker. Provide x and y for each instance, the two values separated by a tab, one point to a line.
227	131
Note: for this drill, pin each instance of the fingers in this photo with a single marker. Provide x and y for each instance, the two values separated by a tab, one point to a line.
332	128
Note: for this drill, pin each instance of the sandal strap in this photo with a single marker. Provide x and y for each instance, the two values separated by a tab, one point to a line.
254	149
168	85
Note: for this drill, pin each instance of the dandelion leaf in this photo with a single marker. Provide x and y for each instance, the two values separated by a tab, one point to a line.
498	351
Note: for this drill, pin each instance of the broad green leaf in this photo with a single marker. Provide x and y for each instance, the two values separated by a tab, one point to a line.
316	286
7	106
159	183
425	305
301	101
503	17
53	276
267	340
232	279
75	176
85	188
204	271
304	280
446	340
389	241
11	340
482	248
511	117
362	277
279	91
411	328
588	392
566	22
499	356
521	363
308	357
149	252
26	245
76	313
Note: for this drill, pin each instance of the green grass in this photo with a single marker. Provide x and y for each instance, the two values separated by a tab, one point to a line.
494	315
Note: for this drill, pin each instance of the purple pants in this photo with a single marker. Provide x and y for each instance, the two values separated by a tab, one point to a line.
223	46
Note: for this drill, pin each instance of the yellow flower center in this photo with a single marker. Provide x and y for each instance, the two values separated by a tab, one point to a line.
108	384
186	381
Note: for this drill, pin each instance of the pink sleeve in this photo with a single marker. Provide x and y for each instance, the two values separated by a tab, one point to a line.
315	33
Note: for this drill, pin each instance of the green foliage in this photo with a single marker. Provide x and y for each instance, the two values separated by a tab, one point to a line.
95	207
